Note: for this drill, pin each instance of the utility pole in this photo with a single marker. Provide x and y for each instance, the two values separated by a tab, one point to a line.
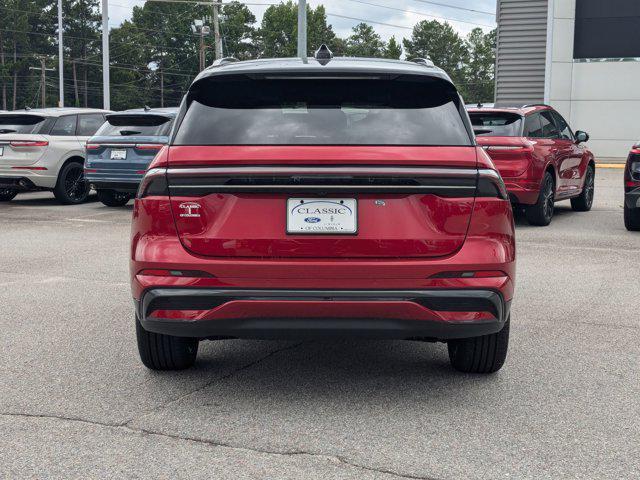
216	29
43	79
106	94
198	27
60	56
302	30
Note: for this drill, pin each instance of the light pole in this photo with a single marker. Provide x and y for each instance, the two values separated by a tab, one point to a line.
60	56
302	30
106	94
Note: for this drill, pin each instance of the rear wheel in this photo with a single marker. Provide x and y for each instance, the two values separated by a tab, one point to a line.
485	354
7	194
111	198
584	201
165	352
541	212
632	219
71	188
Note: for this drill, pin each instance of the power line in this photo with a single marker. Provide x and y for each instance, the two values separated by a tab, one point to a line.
456	7
420	13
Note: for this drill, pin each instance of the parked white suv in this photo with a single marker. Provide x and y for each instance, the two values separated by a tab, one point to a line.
44	149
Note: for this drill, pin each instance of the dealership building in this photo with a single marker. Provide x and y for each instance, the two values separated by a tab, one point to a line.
580	56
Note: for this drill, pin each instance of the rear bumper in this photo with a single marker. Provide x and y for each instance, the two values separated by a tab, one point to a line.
260	313
119	186
522	191
22	184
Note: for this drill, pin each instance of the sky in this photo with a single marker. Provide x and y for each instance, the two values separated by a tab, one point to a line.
400	15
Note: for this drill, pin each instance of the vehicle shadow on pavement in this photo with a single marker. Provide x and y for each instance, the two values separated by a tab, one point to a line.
26	200
560	211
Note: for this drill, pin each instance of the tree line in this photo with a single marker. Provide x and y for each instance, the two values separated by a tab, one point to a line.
155	54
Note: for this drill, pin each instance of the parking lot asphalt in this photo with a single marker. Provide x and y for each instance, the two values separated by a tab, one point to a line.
75	401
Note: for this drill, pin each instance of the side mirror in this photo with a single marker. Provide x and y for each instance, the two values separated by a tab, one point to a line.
581	136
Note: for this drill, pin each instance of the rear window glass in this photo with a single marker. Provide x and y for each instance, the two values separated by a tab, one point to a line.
22	124
129	125
323	111
496	124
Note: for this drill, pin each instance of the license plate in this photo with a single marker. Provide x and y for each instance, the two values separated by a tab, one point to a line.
118	154
322	215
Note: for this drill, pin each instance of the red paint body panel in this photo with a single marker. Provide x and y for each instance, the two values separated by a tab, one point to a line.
241	240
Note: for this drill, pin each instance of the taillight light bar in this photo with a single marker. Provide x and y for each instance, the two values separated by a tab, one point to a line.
29	143
502	148
148	146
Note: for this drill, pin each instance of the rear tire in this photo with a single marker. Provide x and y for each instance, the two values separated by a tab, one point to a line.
541	212
584	201
7	194
485	354
632	219
165	352
71	188
111	198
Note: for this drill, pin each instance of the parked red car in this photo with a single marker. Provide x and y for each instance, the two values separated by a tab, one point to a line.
632	190
541	160
340	197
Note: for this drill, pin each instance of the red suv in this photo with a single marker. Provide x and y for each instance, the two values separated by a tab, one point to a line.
540	159
321	199
632	190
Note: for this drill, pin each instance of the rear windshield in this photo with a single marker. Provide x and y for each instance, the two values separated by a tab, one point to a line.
22	124
155	126
496	124
323	111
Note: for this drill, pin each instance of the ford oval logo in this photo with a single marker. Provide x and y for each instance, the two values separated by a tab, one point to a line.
312	219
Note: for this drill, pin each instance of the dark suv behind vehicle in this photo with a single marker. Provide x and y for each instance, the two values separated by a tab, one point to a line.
323	198
120	152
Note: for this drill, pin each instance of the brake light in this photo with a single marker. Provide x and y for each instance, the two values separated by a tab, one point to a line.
148	146
502	148
29	143
154	183
90	170
92	146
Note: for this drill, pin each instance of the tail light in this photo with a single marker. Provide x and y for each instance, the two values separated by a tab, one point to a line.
92	146
154	183
505	148
632	171
149	146
30	168
29	143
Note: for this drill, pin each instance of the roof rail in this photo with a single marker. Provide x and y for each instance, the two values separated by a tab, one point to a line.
224	61
520	105
427	62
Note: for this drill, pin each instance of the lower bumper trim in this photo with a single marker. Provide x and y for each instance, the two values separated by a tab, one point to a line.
162	299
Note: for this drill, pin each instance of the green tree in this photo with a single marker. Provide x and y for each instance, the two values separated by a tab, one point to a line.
443	45
238	31
393	49
365	42
480	68
278	33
